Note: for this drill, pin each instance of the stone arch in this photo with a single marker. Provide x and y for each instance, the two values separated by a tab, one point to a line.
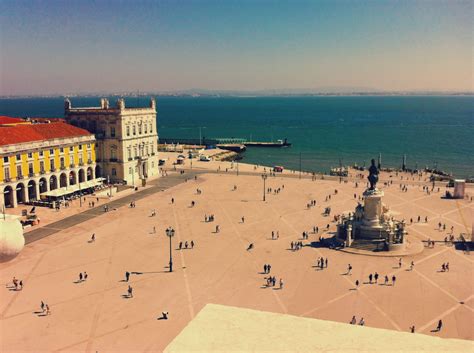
63	180
72	177
82	175
32	196
98	171
43	185
53	182
90	174
20	193
8	199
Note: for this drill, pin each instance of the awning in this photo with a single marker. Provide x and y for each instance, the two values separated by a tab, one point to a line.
73	188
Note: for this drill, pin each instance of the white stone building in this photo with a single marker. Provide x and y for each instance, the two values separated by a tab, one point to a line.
127	139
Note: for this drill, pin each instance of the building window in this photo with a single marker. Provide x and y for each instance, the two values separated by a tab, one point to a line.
18	171
71	148
30	168
61	150
41	153
80	147
128	130
51	164
147	150
151	128
113	153
152	148
134	130
18	157
51	152
30	155
81	161
130	171
42	166
62	162
6	171
5	159
135	151
88	145
89	156
112	131
146	128
140	129
129	152
153	164
114	171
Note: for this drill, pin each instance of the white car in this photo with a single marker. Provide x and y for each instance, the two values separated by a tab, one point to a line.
204	158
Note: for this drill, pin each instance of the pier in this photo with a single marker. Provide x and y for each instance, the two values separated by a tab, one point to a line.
225	142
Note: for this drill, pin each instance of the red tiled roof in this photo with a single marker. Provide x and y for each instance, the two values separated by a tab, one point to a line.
10	120
38	132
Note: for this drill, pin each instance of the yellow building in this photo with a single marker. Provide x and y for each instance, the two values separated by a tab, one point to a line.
37	158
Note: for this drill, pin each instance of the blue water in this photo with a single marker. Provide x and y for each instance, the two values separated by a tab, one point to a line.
428	129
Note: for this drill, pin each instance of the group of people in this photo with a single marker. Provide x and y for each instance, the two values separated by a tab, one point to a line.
209	218
310	204
186	245
18	284
267	268
322	262
297	245
271	282
132	204
82	277
354	321
45	308
445	267
275	235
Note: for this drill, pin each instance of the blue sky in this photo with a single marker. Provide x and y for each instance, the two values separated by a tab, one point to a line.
82	46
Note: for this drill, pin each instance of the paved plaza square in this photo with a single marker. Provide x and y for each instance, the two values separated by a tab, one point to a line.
97	315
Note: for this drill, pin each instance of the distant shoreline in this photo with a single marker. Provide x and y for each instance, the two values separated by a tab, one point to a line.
247	95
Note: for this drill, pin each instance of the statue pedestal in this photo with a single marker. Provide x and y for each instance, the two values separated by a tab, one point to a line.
371	226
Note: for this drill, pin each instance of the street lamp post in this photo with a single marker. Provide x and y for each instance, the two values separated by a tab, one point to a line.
170	234
264	177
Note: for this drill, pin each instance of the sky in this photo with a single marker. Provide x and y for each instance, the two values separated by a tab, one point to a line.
71	46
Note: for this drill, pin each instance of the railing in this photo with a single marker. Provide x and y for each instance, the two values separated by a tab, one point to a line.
89	161
81	164
19	177
53	169
72	165
31	175
7	180
42	171
63	167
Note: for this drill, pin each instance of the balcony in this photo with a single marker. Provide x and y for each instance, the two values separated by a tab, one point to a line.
130	159
31	175
81	164
53	169
19	177
7	180
63	167
72	165
89	161
42	171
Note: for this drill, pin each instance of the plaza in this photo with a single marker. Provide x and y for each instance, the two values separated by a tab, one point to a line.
97	315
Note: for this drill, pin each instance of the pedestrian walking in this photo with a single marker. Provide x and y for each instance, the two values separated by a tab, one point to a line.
127	276
376	277
192	244
48	311
326	262
93	238
85	276
349	269
362	322
440	325
400	263
80	277
370	278
353	320
412	329
281	283
130	292
357	284
386	279
393	280
42	306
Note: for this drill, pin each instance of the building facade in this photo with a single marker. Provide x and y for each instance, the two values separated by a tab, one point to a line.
36	158
127	139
